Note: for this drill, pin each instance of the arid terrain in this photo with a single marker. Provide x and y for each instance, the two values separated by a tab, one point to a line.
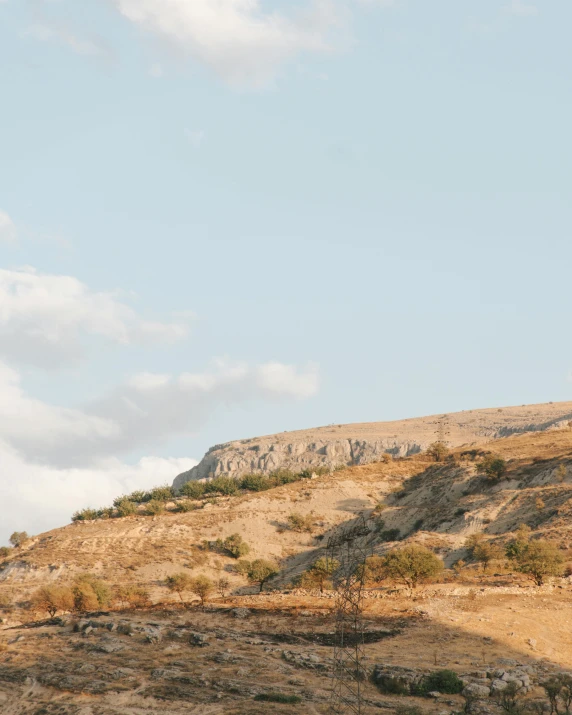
489	625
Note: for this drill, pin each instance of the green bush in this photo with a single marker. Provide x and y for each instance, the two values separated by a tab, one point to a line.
4	552
185	506
234	546
392	685
493	467
18	539
222	485
193	490
301	522
438	450
86	515
139	496
277	698
155	507
283	476
125	507
88	584
413	564
255	483
442	681
164	493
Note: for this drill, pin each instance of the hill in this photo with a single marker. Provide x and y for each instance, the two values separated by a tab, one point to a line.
355	444
165	658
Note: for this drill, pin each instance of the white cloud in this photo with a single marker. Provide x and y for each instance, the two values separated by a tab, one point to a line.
143	411
37	498
43	319
236	38
7	228
277	378
521	8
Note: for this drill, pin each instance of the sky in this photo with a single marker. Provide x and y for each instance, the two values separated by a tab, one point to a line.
227	218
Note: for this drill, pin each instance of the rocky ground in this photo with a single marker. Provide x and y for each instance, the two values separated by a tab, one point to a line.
174	660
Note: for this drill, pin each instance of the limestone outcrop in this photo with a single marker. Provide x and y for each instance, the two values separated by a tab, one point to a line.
356	444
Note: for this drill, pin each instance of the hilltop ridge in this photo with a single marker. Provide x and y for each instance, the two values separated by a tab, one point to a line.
362	443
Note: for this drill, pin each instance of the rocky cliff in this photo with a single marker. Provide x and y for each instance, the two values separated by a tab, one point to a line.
367	442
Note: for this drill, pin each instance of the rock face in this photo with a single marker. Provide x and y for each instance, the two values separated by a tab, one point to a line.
368	442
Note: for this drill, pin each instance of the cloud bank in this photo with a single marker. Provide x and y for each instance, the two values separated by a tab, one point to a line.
45	318
145	410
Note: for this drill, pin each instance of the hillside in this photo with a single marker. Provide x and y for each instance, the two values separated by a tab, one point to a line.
356	444
470	623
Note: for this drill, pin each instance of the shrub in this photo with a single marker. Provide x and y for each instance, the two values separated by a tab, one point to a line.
18	538
438	450
201	586
515	547
442	681
86	515
392	685
222	485
484	552
132	596
193	490
258	571
300	522
493	467
412	565
283	476
539	559
255	483
96	585
178	583
319	574
375	571
125	507
234	546
84	598
185	506
52	599
277	698
4	552
154	507
222	586
162	494
139	496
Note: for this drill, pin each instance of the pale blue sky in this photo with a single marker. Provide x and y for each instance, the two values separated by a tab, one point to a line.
384	205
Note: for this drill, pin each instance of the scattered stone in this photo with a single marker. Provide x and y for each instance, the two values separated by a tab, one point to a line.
199	640
241	612
477	691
